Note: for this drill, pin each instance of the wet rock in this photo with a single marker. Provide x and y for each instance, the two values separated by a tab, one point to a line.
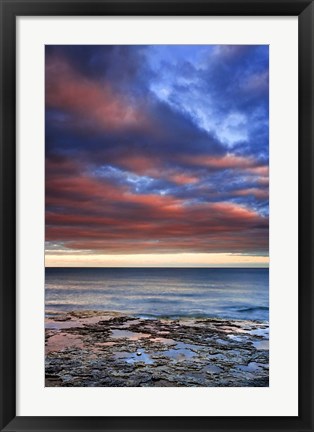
122	351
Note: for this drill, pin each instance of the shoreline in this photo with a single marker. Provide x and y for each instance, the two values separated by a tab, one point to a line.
111	349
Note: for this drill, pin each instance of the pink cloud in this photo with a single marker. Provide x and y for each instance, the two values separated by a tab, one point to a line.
93	102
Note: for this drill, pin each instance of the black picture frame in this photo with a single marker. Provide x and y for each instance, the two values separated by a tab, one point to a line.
10	9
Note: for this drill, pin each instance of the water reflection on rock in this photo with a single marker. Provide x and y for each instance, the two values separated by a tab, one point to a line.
112	350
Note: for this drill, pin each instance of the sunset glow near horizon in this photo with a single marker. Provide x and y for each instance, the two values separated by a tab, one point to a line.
157	156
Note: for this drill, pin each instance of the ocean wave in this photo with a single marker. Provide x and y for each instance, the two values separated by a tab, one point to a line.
253	309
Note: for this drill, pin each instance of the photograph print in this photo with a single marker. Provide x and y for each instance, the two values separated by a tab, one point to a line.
157	216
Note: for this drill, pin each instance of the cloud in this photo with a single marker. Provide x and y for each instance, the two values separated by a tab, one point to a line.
157	149
88	213
94	104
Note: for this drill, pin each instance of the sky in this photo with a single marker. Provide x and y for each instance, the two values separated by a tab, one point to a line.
157	155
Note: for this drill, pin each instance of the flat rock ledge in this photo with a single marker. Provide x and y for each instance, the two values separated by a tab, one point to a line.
107	349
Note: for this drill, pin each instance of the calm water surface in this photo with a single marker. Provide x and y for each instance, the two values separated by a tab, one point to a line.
160	292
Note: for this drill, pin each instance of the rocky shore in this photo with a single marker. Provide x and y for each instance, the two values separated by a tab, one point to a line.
107	349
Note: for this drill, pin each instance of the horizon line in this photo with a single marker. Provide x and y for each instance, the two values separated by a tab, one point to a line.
168	267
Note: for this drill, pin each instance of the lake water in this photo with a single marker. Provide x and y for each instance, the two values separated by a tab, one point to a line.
161	292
